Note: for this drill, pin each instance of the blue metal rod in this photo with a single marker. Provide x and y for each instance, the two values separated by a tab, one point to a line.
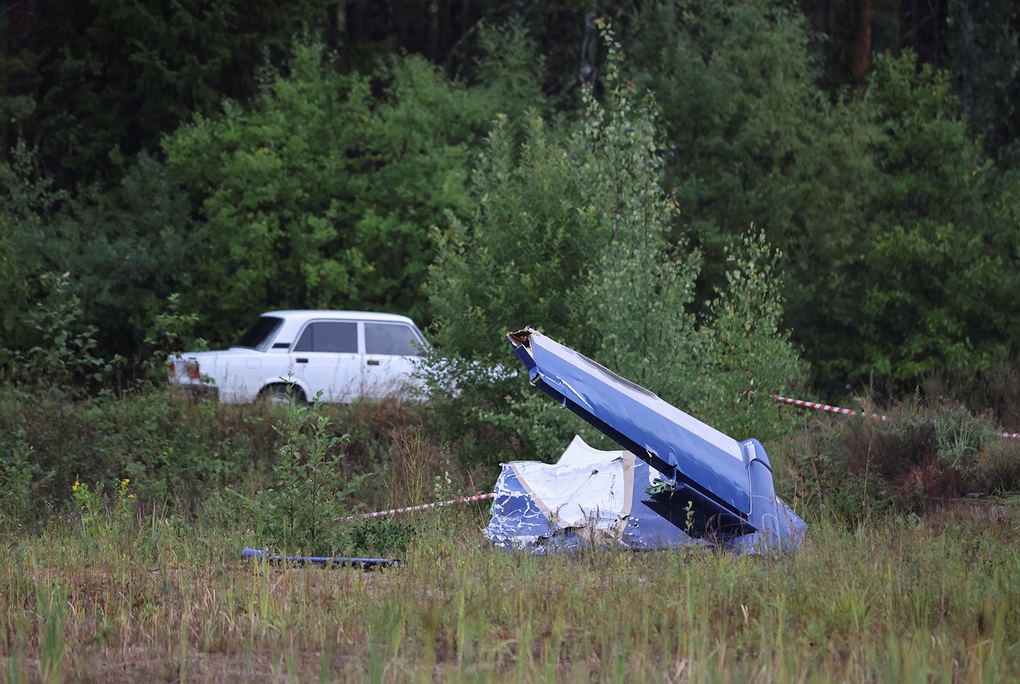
366	563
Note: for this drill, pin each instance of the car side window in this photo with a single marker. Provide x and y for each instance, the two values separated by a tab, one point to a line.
396	339
339	337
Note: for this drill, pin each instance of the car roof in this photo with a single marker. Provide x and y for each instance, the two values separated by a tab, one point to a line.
307	314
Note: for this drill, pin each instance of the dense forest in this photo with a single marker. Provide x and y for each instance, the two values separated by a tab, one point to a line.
170	170
721	200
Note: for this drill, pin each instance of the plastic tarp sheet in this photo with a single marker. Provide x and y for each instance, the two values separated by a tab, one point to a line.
587	496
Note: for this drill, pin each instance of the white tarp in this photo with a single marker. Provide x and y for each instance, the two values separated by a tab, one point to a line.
588	495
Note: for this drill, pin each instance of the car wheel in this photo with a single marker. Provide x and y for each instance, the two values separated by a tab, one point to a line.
282	395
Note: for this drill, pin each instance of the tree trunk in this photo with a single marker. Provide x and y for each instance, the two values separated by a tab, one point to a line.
860	50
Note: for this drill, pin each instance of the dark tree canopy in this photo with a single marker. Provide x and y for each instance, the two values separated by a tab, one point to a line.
152	148
85	79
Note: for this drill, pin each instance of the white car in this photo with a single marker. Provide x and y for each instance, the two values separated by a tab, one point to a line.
346	355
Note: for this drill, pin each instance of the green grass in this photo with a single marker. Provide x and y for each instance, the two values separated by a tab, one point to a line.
121	525
912	599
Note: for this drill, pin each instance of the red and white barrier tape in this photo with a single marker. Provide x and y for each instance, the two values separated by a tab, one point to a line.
481	497
408	509
824	407
851	412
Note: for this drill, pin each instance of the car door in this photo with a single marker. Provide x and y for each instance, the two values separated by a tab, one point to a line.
326	358
392	351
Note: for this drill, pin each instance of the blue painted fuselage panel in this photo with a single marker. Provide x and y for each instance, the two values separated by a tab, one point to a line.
707	464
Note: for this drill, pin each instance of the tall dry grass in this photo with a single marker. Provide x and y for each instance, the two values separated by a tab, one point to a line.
910	599
153	589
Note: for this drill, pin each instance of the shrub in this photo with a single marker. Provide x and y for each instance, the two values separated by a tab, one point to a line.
924	455
304	509
573	237
20	480
1000	465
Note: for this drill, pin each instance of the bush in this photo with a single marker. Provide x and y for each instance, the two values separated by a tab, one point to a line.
20	480
173	451
1000	465
82	272
304	509
923	455
573	237
180	455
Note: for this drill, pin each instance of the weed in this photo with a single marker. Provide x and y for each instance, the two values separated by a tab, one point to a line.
90	505
408	484
52	615
103	518
960	440
1000	465
379	536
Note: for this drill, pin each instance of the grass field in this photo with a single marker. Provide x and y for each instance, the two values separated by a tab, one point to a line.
149	598
122	523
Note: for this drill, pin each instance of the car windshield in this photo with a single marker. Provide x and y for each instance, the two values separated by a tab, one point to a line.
261	333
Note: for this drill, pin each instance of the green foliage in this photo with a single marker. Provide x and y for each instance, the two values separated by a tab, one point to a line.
320	195
572	238
180	454
632	300
315	186
510	69
64	360
753	140
125	248
526	425
28	208
734	80
103	515
899	241
305	508
174	450
510	263
171	332
377	536
171	450
748	346
90	505
120	253
20	481
923	456
100	77
940	251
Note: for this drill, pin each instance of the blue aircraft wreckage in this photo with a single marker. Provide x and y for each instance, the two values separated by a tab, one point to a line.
677	481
